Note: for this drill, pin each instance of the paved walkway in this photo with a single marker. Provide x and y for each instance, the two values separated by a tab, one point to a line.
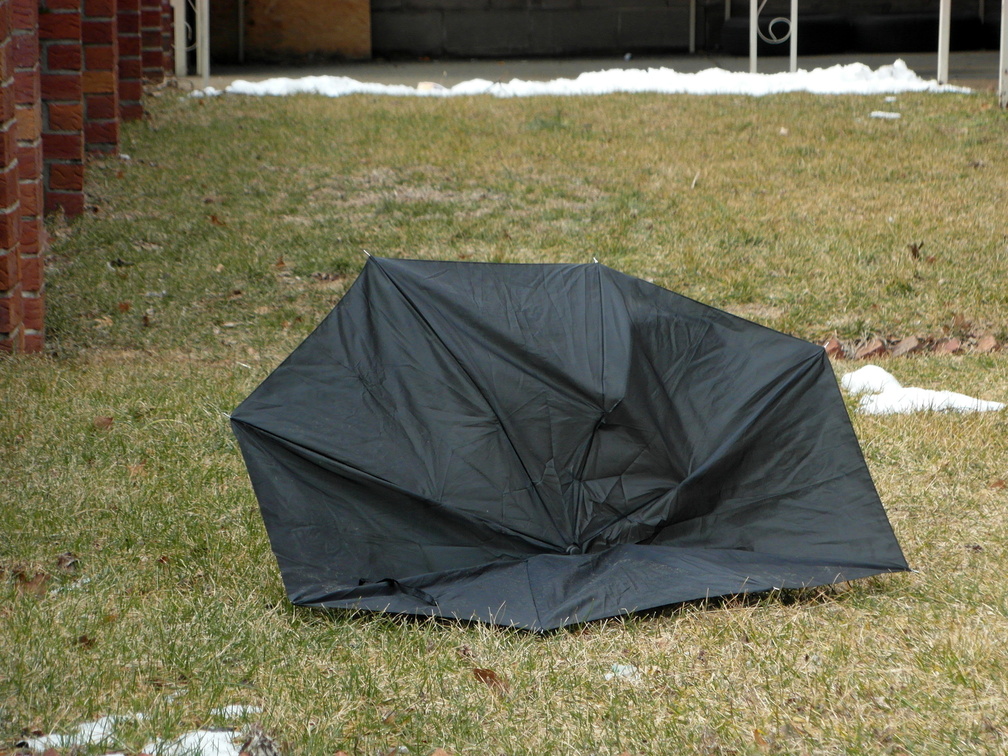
978	70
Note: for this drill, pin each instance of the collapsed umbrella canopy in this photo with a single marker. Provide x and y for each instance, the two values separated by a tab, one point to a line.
541	445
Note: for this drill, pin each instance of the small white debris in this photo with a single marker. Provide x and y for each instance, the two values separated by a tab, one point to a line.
208	92
624	672
884	114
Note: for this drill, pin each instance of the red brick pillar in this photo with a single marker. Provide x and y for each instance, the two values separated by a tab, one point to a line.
150	36
62	106
34	242
130	60
168	37
11	299
101	76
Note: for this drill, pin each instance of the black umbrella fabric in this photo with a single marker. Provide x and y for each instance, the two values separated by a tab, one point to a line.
542	445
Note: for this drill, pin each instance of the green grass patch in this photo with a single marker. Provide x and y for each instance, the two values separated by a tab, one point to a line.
237	223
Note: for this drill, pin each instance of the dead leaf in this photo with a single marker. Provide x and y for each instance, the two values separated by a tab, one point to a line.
465	652
834	348
86	641
915	249
280	264
998	484
35	585
874	348
137	470
974	547
948	346
761	742
491	679
148	317
906	346
217	221
67	561
960	324
986	344
258	742
441	752
125	306
102	422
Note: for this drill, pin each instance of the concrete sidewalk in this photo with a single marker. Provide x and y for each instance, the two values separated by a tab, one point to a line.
978	70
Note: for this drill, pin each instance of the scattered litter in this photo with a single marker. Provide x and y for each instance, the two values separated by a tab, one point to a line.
624	672
882	394
853	78
885	114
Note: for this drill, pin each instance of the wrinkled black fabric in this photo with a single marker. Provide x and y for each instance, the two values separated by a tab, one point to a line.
539	445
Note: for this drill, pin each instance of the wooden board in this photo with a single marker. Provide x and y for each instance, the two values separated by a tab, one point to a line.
331	28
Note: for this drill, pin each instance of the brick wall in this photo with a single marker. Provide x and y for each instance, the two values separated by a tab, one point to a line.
101	76
130	61
27	81
70	72
11	290
152	41
61	55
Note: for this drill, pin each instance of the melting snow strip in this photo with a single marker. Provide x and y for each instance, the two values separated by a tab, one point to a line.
853	78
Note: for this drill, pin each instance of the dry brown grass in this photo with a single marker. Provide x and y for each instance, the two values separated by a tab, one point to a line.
244	221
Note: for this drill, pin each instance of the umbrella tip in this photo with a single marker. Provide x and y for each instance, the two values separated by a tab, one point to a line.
366	253
595	259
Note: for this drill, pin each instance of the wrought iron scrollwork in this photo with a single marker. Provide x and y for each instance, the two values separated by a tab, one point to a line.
771	37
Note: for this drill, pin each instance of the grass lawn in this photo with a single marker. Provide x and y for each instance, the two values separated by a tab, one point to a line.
236	223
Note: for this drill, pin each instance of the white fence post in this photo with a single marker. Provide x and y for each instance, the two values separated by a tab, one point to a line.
944	24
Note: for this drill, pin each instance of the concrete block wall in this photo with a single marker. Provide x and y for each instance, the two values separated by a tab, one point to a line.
70	72
527	27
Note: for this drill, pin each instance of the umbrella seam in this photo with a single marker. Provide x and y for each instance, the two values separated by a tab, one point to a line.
434	332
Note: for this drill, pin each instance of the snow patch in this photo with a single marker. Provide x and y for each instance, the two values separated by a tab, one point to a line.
852	78
882	394
101	732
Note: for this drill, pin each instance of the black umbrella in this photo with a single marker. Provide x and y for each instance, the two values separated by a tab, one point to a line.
539	445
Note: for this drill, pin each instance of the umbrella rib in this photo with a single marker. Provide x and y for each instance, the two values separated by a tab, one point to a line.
472	381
